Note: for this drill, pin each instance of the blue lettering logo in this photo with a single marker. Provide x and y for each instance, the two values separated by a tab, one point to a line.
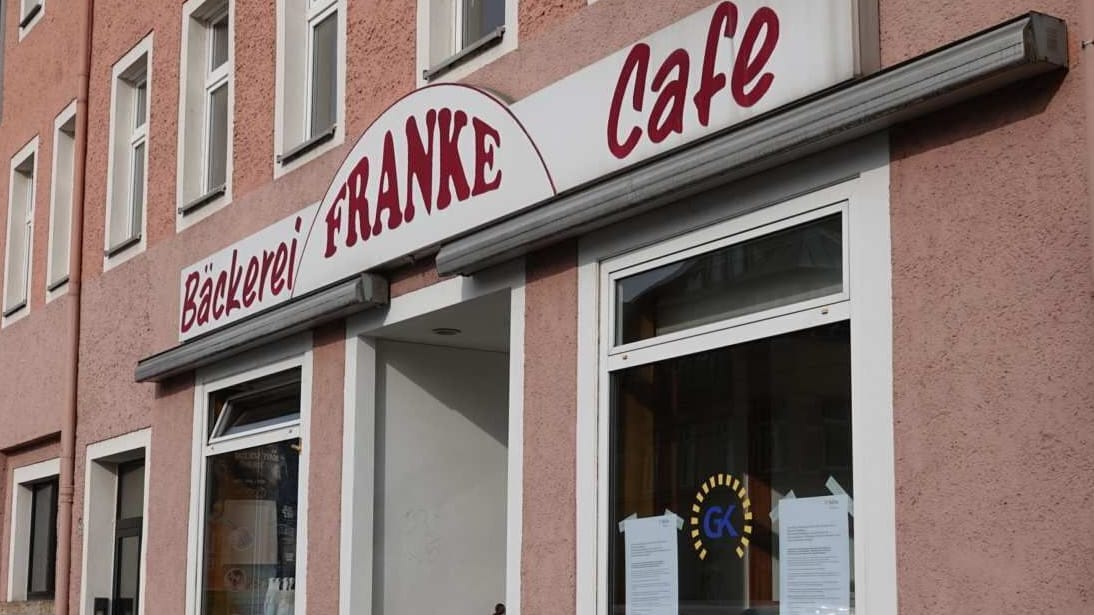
716	522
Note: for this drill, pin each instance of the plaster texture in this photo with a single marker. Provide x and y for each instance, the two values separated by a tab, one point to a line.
548	556
993	328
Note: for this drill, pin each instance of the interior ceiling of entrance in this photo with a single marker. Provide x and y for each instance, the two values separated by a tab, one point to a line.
483	324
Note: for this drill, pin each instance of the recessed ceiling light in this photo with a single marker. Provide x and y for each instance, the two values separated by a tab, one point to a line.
446	331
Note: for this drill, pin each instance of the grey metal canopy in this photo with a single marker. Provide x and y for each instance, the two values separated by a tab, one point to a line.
1030	45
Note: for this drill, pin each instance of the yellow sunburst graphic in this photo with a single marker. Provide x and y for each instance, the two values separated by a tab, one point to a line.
719	482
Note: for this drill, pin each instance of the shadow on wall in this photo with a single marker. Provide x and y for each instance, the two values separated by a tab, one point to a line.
976	117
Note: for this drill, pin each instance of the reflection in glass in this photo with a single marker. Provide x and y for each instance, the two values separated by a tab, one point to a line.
796	264
774	414
481	17
250	530
324	66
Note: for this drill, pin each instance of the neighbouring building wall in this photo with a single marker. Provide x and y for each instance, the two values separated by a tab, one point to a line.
993	329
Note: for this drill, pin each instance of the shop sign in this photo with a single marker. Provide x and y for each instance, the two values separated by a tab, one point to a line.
448	158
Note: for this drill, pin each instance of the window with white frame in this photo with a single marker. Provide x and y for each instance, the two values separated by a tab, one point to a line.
60	204
20	230
205	104
249	519
727	388
311	83
33	555
455	32
127	186
115	501
30	13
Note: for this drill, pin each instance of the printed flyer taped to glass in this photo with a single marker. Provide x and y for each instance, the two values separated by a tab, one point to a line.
746	451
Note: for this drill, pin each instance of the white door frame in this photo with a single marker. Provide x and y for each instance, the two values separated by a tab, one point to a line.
359	427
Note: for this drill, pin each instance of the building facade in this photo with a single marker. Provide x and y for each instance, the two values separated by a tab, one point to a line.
567	306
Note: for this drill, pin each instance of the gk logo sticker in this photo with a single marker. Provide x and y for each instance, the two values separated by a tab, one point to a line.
716	520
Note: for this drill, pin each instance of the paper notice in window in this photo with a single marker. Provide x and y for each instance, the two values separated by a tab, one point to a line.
814	556
651	560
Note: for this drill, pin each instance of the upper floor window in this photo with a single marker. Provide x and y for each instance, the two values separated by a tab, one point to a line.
60	208
30	13
205	108
128	166
33	556
310	87
458	32
20	231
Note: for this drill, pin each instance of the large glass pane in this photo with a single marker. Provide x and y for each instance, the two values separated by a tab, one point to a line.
43	539
218	137
131	490
800	263
128	571
137	194
324	64
481	17
218	43
761	420
250	531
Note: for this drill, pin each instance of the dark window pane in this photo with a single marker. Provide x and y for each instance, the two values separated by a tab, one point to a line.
140	104
218	43
481	17
128	575
43	539
218	137
137	194
774	415
324	74
797	264
131	490
250	530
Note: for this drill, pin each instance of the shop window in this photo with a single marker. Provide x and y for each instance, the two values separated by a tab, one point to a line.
458	32
127	186
728	411
60	204
250	514
30	13
20	235
114	512
205	132
310	88
34	532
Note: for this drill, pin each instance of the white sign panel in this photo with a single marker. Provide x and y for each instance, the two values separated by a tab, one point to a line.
449	158
650	556
814	556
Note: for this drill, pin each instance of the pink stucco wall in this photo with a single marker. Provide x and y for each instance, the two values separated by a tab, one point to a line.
992	275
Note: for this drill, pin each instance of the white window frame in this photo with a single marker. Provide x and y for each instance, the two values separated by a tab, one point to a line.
19	310
100	514
19	538
820	186
57	272
196	82
359	429
134	135
292	115
475	59
293	353
24	7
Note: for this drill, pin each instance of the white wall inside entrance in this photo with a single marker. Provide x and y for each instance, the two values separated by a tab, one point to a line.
441	454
